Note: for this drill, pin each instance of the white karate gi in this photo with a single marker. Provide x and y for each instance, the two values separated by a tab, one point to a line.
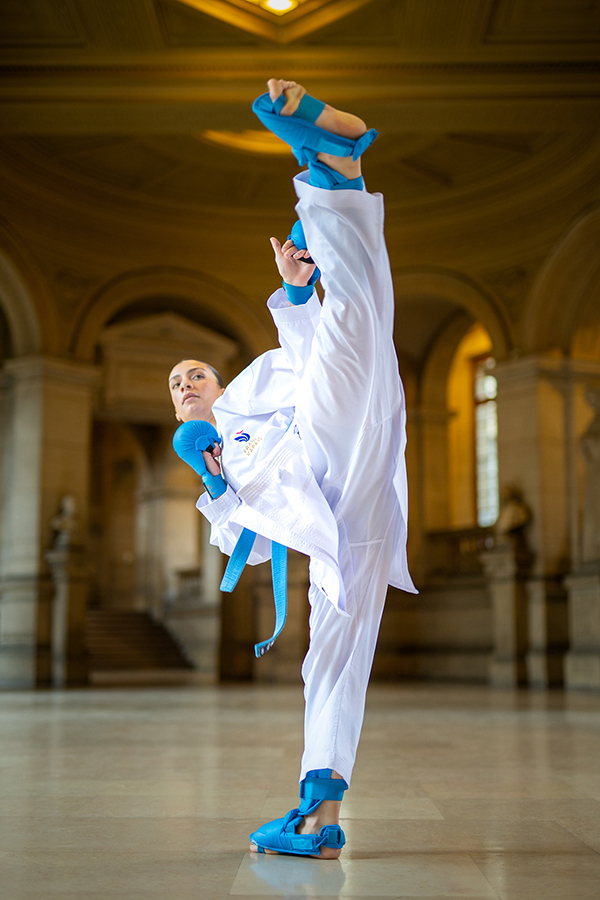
313	453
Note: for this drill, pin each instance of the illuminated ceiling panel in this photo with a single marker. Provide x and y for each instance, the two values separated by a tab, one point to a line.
250	141
281	21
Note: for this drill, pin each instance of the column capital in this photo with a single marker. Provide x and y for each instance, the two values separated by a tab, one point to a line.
560	370
31	368
436	415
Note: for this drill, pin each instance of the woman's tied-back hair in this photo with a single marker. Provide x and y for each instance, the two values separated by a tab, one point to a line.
217	375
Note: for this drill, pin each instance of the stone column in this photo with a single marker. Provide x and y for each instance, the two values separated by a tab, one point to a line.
283	661
532	455
434	447
195	620
507	567
583	584
427	458
168	527
173	543
47	455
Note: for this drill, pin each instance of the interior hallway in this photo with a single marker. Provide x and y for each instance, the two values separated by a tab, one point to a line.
458	791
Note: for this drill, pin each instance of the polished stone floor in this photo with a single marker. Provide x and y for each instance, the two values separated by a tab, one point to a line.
458	792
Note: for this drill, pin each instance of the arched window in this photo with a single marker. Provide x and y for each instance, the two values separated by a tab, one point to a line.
472	432
485	389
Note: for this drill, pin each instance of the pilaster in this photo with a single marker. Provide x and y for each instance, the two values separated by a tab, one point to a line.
48	419
534	455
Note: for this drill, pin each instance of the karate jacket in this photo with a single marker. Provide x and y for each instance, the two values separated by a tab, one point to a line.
271	486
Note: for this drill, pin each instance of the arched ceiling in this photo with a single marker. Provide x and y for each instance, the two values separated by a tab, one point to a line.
179	66
142	97
189	170
488	112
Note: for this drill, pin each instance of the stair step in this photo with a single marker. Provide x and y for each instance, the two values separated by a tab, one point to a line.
130	641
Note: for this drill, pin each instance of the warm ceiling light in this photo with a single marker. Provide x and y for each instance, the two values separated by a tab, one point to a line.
279	7
262	142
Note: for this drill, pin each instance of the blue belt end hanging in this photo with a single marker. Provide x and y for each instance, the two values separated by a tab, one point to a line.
235	567
279	572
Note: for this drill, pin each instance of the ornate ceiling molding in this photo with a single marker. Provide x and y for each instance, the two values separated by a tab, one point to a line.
217	93
240	64
280	27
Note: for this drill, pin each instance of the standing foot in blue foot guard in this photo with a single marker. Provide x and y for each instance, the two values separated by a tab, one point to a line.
282	836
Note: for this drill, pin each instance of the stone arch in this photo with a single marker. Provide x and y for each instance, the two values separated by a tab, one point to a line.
465	294
27	309
434	417
227	310
453	303
567	285
435	372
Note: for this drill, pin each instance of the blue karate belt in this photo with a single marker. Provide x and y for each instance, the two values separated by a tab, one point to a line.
235	567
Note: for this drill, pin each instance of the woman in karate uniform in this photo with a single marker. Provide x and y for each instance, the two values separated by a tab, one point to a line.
313	439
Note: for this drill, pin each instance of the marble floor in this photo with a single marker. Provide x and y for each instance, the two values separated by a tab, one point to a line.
458	792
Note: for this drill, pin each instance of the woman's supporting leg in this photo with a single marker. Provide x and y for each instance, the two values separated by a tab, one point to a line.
337	667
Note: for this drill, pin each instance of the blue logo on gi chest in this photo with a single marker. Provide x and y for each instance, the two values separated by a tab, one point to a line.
242	436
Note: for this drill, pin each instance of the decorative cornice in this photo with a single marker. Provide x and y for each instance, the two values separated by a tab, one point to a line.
525	371
36	368
304	64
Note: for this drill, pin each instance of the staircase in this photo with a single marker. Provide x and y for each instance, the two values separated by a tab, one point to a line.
133	648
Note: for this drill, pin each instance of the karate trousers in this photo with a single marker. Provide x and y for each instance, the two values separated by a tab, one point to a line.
351	416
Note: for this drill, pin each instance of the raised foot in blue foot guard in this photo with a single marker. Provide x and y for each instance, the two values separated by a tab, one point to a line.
290	113
279	836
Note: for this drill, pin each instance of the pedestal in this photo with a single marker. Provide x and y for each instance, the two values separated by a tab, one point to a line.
583	659
70	574
507	567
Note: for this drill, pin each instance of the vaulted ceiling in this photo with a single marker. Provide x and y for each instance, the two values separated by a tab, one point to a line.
147	95
187	65
489	110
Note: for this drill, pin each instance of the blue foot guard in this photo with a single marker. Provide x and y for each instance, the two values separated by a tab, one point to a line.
280	834
306	139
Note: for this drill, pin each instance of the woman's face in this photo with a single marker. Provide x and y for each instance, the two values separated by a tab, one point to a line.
194	389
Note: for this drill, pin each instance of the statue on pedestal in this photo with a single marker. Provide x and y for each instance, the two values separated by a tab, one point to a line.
65	524
513	517
70	574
